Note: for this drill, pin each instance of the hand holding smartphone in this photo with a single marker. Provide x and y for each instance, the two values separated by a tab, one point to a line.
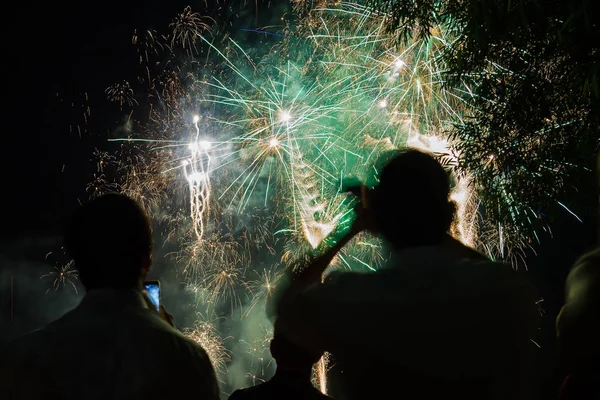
153	290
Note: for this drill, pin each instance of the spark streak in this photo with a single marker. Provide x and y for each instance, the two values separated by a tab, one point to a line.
197	170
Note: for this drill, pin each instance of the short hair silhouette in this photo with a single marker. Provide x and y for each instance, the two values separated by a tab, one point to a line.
110	240
411	203
290	355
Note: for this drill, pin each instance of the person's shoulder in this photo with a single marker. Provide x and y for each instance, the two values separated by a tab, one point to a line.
182	361
338	277
483	263
20	349
491	276
24	348
237	395
160	331
253	392
487	269
344	284
20	363
241	394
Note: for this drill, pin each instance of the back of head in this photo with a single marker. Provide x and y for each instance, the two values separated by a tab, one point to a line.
110	240
290	356
410	204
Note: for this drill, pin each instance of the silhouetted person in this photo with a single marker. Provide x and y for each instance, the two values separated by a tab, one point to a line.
292	380
111	346
440	321
578	327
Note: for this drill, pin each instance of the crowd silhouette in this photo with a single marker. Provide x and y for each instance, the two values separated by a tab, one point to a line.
440	321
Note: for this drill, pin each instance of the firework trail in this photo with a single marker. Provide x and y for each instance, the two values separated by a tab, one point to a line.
319	373
197	169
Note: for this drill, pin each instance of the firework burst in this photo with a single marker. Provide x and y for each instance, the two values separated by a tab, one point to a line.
62	275
204	333
121	93
187	27
264	286
242	158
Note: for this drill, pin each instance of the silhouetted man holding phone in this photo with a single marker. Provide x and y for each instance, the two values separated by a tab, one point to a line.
114	345
439	321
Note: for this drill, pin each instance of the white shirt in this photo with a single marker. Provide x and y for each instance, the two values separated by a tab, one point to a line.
428	319
109	347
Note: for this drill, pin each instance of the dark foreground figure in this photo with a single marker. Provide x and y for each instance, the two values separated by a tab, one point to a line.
112	346
439	321
292	381
578	327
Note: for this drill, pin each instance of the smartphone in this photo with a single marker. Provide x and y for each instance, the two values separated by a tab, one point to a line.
153	289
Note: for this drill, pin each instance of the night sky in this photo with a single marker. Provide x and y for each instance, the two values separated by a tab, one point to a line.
55	54
60	55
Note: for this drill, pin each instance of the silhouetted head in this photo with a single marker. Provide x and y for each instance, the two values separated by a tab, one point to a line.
110	240
289	356
411	204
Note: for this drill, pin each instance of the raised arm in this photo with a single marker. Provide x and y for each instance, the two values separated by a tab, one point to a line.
300	276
